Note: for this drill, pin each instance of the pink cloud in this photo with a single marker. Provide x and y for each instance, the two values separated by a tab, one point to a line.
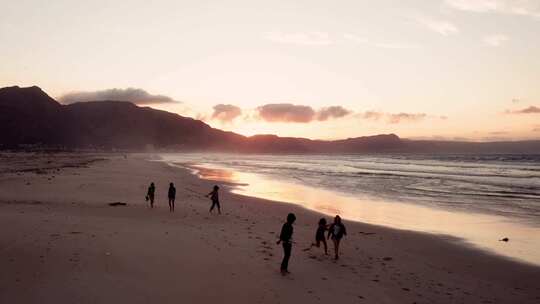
529	110
332	112
286	112
226	113
406	117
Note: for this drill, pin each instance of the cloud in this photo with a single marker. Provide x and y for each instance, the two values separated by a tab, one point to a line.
286	112
332	112
442	27
514	7
299	38
529	110
384	45
406	117
226	113
371	115
495	40
134	95
394	118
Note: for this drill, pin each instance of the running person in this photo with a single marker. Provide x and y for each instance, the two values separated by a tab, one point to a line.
319	235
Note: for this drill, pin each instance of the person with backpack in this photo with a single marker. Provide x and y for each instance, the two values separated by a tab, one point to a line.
285	237
336	232
172	196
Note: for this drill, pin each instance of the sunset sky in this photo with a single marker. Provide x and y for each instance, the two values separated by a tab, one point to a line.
443	69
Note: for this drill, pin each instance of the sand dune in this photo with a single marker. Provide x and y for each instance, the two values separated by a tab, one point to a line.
60	242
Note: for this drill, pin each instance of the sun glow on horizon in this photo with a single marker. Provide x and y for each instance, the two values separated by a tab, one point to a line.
306	69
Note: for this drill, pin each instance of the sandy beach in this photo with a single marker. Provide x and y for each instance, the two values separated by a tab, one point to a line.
61	242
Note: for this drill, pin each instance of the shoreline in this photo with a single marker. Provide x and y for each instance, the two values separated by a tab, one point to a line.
476	230
63	243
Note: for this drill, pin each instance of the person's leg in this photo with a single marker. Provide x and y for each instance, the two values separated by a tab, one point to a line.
212	207
325	246
218	207
152	201
335	248
173	204
287	247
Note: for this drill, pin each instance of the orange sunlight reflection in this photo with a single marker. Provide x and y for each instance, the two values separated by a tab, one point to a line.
481	230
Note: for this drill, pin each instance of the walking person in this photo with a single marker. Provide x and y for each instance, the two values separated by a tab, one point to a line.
285	237
214	196
172	196
336	232
150	194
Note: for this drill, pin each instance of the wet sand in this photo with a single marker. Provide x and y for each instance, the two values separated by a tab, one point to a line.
61	242
481	230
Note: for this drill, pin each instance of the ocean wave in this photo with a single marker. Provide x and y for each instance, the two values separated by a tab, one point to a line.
488	183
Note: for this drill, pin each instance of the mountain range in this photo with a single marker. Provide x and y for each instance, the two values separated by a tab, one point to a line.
31	118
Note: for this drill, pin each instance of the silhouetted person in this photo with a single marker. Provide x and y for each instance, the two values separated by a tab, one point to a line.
172	196
319	235
285	237
336	232
214	196
150	194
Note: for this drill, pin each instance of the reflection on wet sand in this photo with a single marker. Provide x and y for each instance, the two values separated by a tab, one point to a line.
214	174
481	230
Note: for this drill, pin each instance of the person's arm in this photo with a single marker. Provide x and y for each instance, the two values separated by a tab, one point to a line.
330	231
282	234
344	230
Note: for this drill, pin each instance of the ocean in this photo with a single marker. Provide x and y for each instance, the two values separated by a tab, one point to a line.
495	196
